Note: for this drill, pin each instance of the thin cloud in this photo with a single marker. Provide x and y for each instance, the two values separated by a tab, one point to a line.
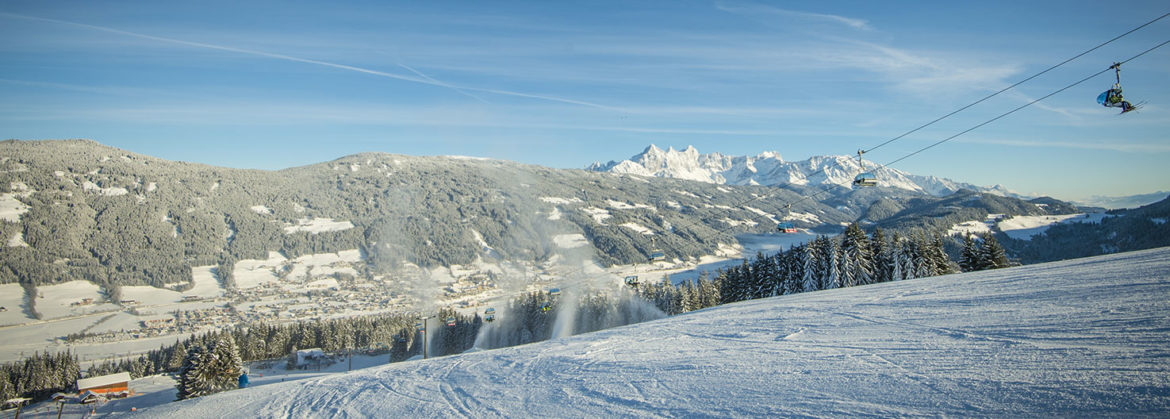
420	80
754	9
1097	145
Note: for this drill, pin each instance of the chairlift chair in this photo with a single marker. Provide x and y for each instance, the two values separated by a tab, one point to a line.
865	179
1113	98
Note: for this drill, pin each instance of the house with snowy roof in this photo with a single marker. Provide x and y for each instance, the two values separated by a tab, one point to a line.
106	385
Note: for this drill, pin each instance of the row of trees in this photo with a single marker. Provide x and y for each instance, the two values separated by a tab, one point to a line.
38	376
826	263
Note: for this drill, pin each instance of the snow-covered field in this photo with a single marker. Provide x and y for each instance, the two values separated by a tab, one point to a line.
1023	227
570	241
12	299
251	273
150	295
71	298
317	225
206	285
975	227
1087	337
11	208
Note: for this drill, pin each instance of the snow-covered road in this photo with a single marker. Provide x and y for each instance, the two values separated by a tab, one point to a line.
1087	337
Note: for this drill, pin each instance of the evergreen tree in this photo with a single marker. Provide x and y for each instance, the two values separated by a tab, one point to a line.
856	257
178	355
193	375
709	291
832	261
969	257
794	281
881	256
211	370
811	275
938	257
897	248
992	254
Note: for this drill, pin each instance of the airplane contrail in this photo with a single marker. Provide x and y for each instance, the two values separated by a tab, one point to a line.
449	86
422	79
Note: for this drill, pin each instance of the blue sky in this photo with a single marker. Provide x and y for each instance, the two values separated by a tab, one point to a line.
278	84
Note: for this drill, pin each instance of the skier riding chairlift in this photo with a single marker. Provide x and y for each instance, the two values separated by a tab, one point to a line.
1112	98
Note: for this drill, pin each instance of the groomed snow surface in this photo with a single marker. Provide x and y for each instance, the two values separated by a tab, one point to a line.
1088	337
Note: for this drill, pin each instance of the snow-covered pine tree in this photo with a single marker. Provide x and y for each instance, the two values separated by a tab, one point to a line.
992	254
856	257
763	277
924	265
938	257
811	275
908	258
193	380
226	365
832	278
969	257
794	270
709	290
690	301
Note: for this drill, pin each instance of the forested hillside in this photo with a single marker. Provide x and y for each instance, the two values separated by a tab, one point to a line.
1118	231
114	217
79	210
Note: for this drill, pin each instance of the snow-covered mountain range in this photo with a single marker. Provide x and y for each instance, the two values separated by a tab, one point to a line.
769	169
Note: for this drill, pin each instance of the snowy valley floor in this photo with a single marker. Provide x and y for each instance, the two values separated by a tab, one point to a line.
1087	337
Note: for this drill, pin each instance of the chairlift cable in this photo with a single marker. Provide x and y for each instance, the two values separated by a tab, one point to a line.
1016	84
1022	106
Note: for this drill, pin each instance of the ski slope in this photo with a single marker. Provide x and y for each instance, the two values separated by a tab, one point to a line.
1086	337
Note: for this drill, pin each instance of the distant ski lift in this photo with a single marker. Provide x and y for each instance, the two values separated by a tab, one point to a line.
489	314
786	227
451	321
632	280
